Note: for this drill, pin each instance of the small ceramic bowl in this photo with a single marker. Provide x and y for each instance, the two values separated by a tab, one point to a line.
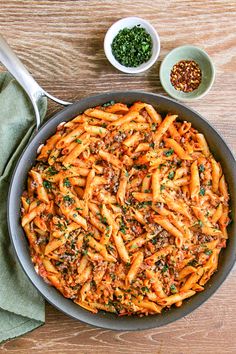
130	22
187	52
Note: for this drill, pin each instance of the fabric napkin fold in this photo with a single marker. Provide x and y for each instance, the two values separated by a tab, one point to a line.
21	306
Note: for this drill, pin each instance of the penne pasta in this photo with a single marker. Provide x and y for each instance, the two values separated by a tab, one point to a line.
125	211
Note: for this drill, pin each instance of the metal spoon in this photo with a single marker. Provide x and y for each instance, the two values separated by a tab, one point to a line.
24	78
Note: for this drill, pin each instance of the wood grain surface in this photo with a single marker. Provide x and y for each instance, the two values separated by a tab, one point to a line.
61	43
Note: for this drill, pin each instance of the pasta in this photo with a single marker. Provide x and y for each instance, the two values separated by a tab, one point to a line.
126	210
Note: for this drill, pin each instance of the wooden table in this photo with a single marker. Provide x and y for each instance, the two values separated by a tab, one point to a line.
61	42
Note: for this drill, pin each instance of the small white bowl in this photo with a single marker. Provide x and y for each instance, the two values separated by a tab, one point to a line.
130	22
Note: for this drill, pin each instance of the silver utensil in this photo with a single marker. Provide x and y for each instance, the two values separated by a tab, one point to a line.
24	78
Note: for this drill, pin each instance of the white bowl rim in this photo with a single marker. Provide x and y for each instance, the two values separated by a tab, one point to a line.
149	28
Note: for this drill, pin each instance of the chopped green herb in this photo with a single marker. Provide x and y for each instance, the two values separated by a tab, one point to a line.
126	174
107	104
169	152
201	168
154	241
200	223
47	184
145	289
113	276
68	199
79	208
132	46
202	191
152	145
165	268
162	187
66	182
103	219
147	191
104	125
123	227
84	252
78	141
208	252
171	175
173	289
154	126
52	171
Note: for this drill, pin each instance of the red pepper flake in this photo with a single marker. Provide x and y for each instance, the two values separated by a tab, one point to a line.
186	75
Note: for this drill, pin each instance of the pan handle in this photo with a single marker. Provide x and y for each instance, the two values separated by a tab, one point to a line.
24	78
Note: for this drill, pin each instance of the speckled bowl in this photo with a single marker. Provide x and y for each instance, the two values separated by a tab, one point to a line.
187	52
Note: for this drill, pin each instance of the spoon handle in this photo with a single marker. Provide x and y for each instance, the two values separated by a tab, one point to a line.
24	78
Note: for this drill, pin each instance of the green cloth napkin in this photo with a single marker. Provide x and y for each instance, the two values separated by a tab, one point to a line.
21	306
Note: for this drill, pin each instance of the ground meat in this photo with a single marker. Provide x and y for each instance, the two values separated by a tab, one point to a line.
153	229
112	180
96	146
202	238
119	137
136	228
163	238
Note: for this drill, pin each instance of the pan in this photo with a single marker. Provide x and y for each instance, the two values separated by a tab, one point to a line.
106	320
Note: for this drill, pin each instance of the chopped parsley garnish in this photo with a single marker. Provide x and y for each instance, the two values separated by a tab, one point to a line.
202	191
79	141
200	223
162	187
66	182
68	199
126	174
52	171
113	276
154	241
169	152
171	175
132	47
173	289
107	104
78	208
147	191
208	252
154	126
104	125
47	184
152	145
141	205
201	168
123	227
145	289
84	252
103	219
165	268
